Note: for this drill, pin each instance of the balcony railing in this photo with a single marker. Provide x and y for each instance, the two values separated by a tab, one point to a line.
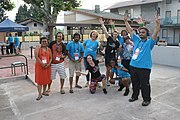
174	20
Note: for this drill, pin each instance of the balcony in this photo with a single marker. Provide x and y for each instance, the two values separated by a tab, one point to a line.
171	21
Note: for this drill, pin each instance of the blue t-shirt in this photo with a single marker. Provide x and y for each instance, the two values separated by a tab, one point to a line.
16	41
91	47
74	47
10	39
121	73
121	40
144	58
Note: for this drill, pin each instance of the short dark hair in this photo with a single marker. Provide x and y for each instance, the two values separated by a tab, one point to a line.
42	39
126	37
124	31
147	30
76	34
115	60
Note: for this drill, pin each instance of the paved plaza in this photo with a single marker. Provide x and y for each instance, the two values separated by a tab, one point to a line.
17	100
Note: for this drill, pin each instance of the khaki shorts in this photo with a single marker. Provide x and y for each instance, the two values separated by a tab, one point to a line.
74	66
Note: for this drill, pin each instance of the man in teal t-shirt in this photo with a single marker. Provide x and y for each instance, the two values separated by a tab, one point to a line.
141	62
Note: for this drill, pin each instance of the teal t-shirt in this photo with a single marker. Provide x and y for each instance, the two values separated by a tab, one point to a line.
91	47
144	58
121	73
74	47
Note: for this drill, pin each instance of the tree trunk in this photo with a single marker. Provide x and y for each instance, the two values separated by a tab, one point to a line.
51	33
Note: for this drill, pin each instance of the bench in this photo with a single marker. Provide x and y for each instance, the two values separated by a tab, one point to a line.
17	64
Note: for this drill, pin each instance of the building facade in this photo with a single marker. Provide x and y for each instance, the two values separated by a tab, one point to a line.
169	11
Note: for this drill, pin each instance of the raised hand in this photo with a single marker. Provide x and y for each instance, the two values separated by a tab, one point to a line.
139	20
157	19
126	18
101	21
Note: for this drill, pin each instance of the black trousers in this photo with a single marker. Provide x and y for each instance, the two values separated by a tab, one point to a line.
140	80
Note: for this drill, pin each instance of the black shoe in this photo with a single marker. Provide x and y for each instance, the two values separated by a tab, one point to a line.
121	87
145	103
133	99
126	92
104	90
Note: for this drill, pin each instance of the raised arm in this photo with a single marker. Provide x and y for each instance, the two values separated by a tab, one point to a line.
101	21
111	22
128	27
157	28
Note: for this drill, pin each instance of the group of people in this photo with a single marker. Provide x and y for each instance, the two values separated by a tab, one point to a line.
14	44
134	52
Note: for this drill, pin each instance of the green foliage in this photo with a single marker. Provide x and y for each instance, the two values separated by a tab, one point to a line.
5	5
24	12
50	8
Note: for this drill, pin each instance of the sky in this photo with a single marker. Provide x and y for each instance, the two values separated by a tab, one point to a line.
86	4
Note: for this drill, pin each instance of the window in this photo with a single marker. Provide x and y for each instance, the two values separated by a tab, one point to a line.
168	14
127	13
178	16
35	24
164	33
168	1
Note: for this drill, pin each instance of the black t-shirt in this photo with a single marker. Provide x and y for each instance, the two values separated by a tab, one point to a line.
95	73
111	47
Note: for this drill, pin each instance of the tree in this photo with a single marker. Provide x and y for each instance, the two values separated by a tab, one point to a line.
23	13
5	5
50	10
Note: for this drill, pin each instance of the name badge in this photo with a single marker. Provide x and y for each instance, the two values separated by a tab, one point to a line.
58	58
44	60
136	53
76	56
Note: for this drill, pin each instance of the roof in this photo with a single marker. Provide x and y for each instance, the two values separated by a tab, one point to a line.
29	20
105	15
132	3
9	26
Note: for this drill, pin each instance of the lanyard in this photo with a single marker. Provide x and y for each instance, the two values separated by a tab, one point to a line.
58	46
78	49
141	46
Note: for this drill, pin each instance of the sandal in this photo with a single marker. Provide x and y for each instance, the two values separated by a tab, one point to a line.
48	91
62	92
71	91
78	86
45	94
38	98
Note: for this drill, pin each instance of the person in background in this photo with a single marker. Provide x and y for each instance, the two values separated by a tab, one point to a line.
16	44
127	50
141	62
59	53
122	75
112	48
90	48
42	67
96	76
11	44
75	53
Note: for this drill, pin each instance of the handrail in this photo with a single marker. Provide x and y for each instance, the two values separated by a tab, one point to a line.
4	56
